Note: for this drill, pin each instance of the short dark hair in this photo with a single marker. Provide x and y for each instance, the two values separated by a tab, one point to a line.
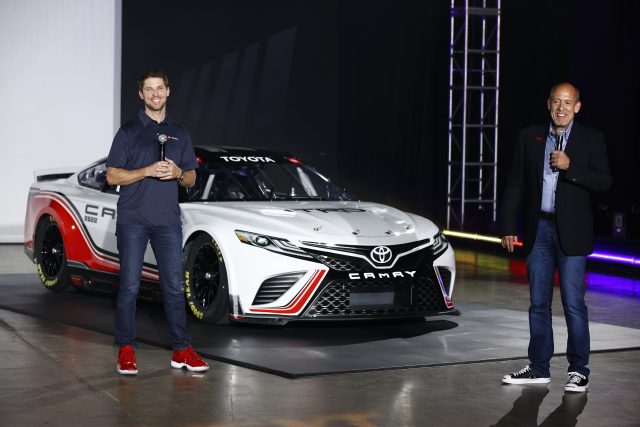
153	73
555	86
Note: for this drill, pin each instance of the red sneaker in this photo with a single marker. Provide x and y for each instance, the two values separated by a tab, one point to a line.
188	358
127	361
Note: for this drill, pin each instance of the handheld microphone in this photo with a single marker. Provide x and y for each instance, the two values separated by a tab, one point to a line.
162	138
560	140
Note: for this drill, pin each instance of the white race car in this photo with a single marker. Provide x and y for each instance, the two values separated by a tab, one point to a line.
267	238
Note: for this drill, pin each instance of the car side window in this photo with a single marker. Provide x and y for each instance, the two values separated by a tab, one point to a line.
95	177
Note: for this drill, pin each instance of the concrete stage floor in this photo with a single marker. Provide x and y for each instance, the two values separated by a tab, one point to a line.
58	374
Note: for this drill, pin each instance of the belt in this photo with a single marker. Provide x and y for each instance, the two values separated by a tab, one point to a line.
549	216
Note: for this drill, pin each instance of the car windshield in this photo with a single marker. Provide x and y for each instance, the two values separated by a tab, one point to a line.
252	178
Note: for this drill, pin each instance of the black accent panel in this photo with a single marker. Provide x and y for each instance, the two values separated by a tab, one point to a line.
445	275
274	287
53	176
359	250
340	262
97	282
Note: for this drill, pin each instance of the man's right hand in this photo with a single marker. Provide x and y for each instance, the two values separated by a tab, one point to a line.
121	176
160	169
508	242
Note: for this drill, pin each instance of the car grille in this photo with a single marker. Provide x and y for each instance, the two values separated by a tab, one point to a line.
341	263
334	300
353	264
274	287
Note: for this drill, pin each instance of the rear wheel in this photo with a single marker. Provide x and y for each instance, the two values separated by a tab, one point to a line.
51	257
205	280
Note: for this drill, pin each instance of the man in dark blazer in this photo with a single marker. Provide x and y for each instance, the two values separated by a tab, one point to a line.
555	170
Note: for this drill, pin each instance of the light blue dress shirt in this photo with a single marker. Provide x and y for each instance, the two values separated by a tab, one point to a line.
550	177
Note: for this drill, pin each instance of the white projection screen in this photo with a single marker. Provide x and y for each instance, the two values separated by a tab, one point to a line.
60	89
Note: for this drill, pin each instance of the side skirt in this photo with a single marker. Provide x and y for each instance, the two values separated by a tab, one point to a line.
96	282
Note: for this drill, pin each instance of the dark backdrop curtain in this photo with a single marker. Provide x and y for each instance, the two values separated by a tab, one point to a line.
359	88
593	44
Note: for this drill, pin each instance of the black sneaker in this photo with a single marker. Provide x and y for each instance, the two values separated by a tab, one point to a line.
524	376
577	383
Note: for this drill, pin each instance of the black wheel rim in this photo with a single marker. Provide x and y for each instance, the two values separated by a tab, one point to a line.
206	275
52	251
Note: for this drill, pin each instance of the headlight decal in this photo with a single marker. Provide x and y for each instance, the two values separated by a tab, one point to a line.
270	243
440	245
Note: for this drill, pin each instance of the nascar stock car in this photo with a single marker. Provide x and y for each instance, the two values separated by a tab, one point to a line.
266	238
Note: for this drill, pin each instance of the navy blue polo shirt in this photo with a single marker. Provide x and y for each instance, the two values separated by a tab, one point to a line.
150	201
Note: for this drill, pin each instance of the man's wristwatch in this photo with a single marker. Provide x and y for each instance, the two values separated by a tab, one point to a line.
181	175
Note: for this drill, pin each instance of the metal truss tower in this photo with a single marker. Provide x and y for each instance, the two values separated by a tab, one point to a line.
474	80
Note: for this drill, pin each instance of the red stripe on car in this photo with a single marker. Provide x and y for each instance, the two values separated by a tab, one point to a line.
301	299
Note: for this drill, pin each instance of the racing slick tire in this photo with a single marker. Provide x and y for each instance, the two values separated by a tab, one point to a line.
51	256
205	280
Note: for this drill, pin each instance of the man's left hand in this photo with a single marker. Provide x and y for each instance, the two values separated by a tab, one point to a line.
169	170
560	160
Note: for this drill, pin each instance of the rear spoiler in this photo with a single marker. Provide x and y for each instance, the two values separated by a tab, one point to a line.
53	174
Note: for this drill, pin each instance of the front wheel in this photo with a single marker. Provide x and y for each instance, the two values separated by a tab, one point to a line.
51	257
205	280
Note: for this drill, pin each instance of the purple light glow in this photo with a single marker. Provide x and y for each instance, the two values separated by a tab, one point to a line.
605	283
624	259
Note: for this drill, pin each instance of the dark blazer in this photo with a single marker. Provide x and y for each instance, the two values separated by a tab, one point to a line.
588	172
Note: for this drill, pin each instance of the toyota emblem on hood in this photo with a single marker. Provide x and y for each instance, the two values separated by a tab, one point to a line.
381	254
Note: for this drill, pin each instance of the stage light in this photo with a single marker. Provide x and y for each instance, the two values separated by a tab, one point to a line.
473	236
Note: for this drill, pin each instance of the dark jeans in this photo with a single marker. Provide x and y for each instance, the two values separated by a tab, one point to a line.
545	257
166	242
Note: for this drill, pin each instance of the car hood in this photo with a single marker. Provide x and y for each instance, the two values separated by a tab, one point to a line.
359	219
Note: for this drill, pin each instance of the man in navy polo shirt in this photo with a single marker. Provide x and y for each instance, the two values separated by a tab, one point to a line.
148	211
